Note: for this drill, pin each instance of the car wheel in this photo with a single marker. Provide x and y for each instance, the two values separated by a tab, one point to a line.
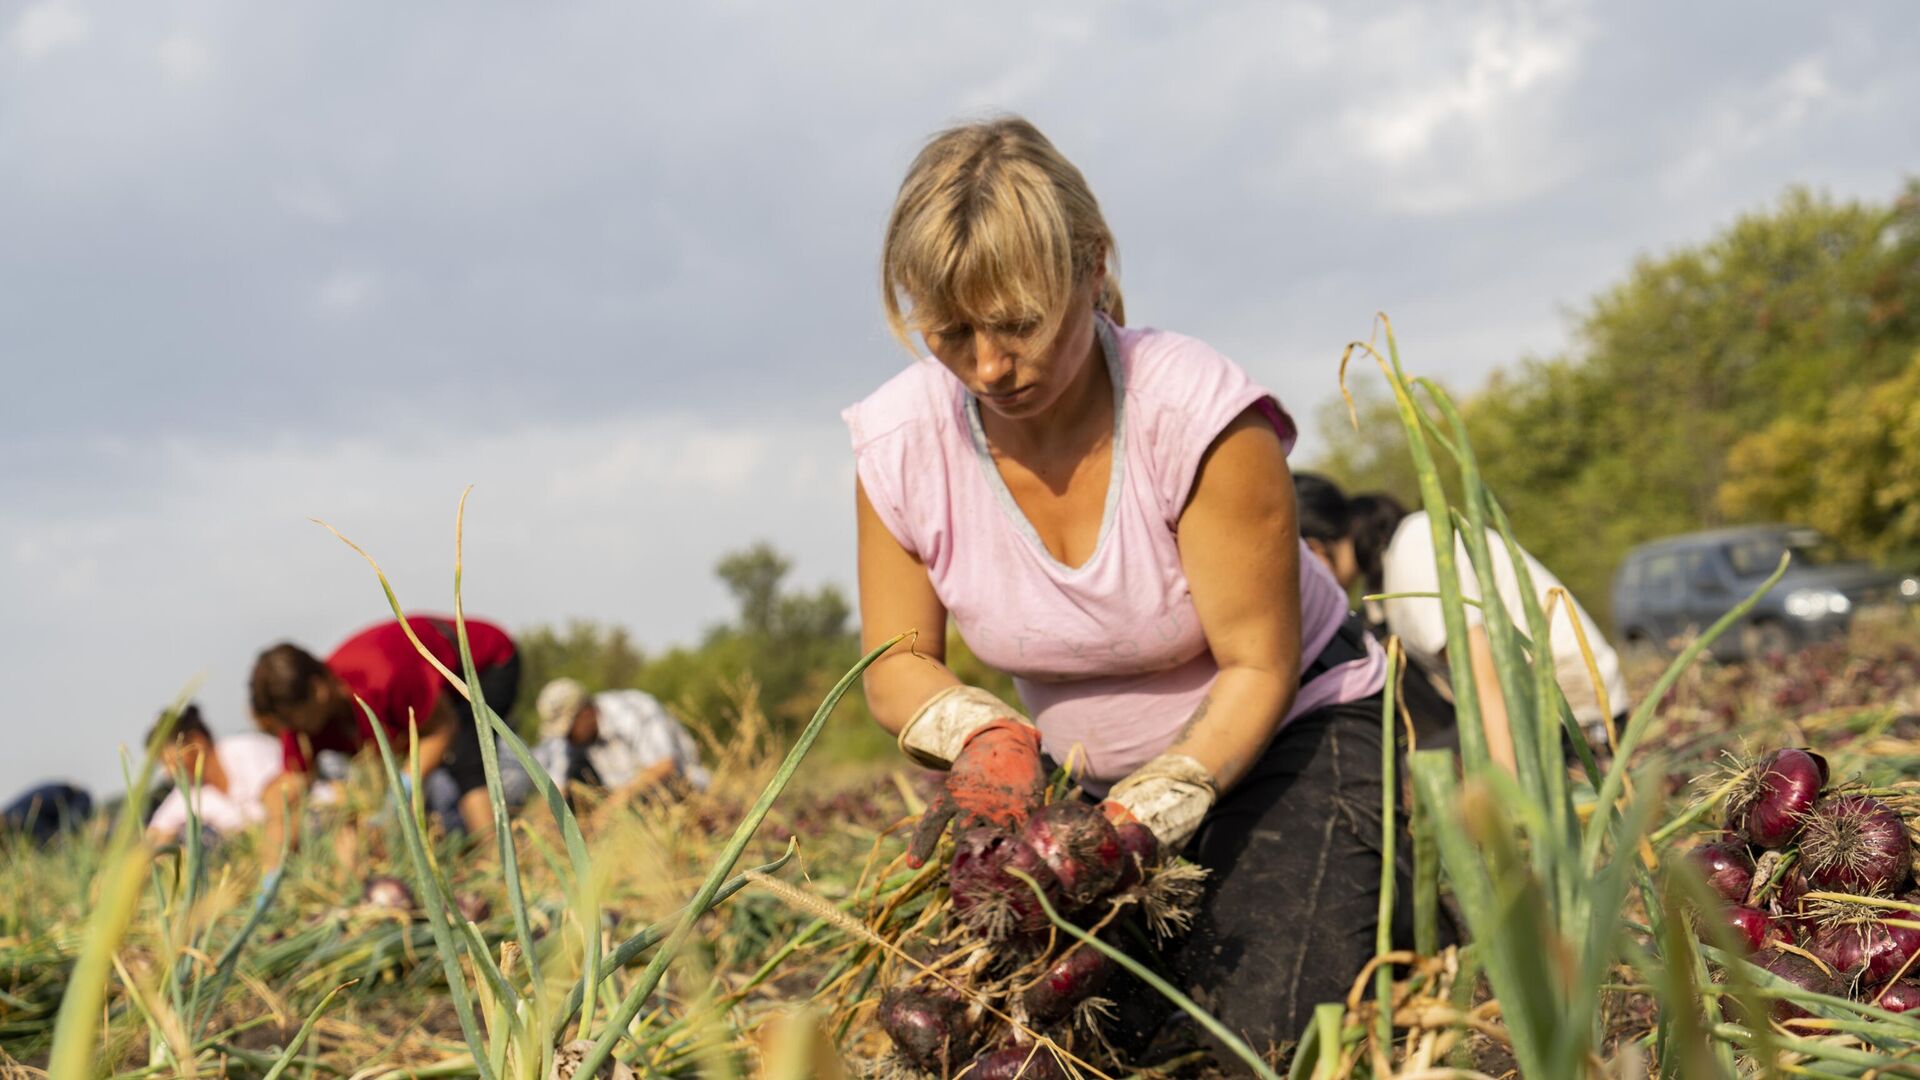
1639	651
1764	639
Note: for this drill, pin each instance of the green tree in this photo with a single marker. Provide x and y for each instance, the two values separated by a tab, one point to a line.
788	645
602	657
791	645
1853	472
1764	332
1365	448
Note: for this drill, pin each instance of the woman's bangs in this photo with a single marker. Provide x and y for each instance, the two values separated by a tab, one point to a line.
1008	272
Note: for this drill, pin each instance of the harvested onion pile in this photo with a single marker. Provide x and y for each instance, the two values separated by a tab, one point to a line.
996	977
1790	835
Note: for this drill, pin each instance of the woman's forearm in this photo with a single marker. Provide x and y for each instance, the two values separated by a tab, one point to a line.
900	682
1493	704
435	737
1233	724
284	797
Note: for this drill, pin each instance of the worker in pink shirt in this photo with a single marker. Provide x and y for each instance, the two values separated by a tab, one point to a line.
224	779
1105	513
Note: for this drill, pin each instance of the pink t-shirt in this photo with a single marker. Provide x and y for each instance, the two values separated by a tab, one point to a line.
1108	656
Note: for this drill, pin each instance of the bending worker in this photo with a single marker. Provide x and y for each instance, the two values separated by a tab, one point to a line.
225	777
615	739
1390	551
310	705
1106	514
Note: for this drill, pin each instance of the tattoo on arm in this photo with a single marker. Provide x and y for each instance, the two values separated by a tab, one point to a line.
1199	714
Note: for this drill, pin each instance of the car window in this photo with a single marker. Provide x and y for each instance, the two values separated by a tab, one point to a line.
1702	575
1662	575
1757	556
1630	576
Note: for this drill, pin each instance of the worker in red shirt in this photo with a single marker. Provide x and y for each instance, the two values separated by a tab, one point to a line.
311	706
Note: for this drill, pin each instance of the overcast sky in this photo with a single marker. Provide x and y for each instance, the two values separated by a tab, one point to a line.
614	264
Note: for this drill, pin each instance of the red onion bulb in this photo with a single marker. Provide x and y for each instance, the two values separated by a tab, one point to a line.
1855	844
1799	971
1076	976
1079	845
1727	866
987	897
1900	997
1756	928
929	1030
1024	1062
1140	853
1779	790
1871	950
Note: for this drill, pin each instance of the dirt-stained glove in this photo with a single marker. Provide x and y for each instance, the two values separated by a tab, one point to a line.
1169	795
935	734
992	757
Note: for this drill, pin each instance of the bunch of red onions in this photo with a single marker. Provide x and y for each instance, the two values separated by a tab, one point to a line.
1048	982
1783	820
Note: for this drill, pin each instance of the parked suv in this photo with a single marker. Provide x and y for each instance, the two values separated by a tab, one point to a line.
1680	585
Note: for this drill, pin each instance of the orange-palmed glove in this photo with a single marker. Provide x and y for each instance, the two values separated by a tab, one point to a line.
1170	795
992	756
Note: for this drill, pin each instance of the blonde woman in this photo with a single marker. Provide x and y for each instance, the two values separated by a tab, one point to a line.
1105	513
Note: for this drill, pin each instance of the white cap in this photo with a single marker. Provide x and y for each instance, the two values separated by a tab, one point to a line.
559	705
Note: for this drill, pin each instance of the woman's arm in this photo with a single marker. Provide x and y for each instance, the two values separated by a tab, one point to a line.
1239	546
895	595
991	753
435	735
285	796
1493	702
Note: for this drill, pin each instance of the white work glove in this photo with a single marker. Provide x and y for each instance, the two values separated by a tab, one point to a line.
1169	795
937	733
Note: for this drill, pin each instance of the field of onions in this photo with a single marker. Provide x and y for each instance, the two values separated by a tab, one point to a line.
1728	893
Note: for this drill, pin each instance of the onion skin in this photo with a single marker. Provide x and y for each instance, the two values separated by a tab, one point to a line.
1785	785
1856	844
1727	866
1799	971
985	896
1789	900
473	907
1140	853
1872	951
1080	846
1076	976
930	1031
385	891
1900	997
1025	1062
1757	928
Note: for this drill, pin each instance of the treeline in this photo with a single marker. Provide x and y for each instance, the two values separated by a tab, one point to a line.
780	653
1771	373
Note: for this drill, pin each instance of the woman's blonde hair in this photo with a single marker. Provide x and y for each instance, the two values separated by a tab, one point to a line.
993	227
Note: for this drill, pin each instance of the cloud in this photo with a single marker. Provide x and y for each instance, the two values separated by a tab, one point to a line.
1746	122
620	520
675	457
47	27
309	200
615	265
183	57
1479	128
344	293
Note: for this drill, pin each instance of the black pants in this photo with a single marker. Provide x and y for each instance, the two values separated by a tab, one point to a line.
47	810
1292	905
499	685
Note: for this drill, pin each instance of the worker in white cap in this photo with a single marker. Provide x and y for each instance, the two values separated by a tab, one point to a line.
613	739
